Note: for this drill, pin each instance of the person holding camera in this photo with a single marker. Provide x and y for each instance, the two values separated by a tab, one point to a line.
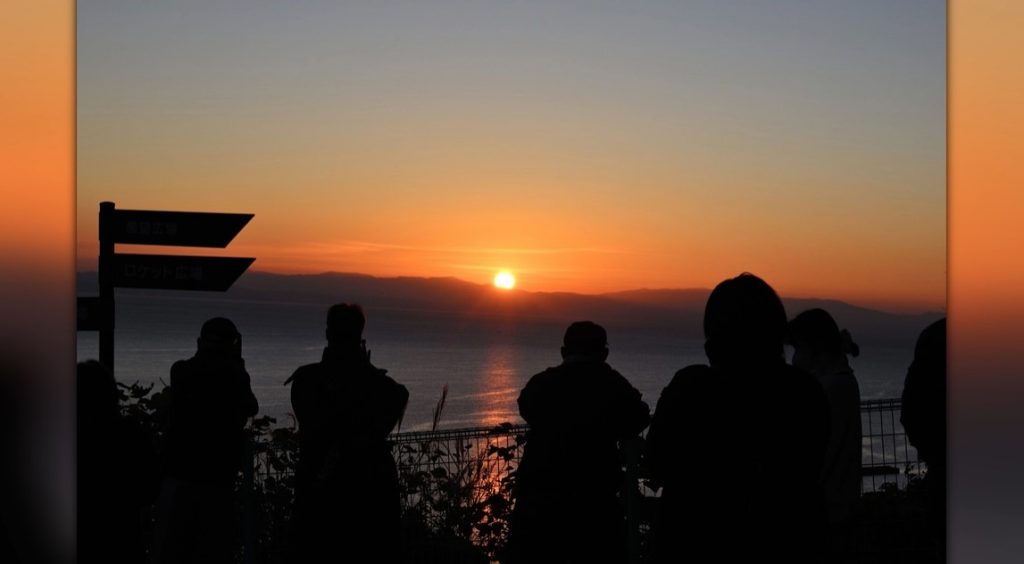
346	482
210	401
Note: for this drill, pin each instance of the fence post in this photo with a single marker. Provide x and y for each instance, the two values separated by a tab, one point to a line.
631	451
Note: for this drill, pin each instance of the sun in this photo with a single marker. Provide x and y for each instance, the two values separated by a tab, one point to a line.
504	280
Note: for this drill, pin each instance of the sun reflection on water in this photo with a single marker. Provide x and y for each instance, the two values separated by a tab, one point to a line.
501	388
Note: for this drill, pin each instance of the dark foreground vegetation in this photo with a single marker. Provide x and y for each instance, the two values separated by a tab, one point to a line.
457	493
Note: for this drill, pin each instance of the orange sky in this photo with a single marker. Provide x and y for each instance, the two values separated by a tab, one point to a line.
480	141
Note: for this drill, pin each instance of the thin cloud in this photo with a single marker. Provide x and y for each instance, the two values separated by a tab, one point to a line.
353	247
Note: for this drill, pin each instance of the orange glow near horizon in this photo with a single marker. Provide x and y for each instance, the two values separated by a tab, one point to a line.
876	277
870	271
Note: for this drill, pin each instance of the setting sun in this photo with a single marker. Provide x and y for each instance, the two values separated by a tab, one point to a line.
504	280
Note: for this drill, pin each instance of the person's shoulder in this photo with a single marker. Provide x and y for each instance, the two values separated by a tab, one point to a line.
694	373
689	380
593	371
615	377
547	375
609	369
182	369
381	374
305	373
543	380
309	368
612	373
549	372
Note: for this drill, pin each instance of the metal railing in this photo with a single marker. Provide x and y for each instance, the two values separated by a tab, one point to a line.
449	478
886	454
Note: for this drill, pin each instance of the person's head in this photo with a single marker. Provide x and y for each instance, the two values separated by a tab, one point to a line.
930	351
585	340
817	341
220	336
345	324
97	391
744	322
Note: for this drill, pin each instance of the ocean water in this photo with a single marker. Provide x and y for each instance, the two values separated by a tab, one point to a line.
484	361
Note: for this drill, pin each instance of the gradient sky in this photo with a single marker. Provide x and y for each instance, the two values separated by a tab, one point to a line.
586	146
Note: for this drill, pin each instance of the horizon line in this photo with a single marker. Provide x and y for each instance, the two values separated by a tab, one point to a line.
914	311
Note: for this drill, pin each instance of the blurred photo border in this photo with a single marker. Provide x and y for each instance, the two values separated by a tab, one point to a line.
985	275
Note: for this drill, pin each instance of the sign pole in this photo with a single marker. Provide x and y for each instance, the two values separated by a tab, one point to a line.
106	275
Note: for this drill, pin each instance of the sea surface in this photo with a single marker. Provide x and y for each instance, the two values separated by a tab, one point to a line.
485	361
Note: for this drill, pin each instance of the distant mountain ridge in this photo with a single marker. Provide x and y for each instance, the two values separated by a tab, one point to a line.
679	310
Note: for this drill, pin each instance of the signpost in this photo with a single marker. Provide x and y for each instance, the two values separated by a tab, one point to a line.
169	272
179	229
173	272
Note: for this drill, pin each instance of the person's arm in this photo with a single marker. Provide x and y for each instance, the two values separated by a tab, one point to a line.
632	413
298	396
396	400
249	406
175	394
672	417
532	401
659	436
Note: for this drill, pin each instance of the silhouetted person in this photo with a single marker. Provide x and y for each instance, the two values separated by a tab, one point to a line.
118	473
737	446
924	420
347	505
567	505
211	399
821	349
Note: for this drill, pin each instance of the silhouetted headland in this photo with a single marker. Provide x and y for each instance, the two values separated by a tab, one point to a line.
678	310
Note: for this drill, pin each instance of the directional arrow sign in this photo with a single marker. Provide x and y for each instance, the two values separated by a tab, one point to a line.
174	272
181	229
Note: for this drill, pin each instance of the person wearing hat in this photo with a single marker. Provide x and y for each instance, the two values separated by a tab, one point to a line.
210	401
568	508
